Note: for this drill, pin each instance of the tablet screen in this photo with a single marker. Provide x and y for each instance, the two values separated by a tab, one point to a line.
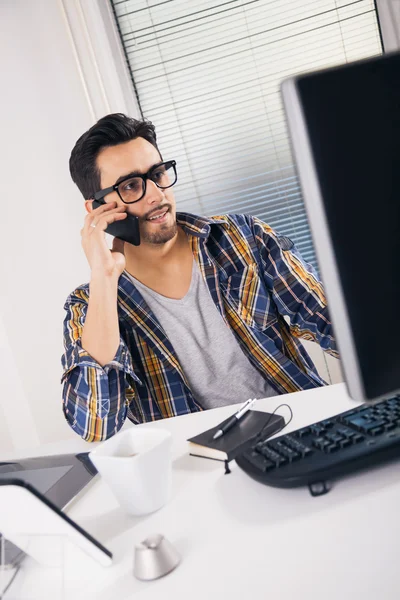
42	479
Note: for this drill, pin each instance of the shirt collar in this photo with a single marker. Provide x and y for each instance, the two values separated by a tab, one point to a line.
196	225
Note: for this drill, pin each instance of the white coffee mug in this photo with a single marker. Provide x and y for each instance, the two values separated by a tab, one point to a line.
136	464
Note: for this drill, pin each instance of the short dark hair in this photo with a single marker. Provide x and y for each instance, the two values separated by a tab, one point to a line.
110	130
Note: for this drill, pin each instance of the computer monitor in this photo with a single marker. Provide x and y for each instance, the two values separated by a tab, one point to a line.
344	124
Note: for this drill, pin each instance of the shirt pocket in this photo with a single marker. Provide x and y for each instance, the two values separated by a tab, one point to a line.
245	293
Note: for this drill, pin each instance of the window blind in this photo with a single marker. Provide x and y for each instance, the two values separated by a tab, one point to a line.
207	74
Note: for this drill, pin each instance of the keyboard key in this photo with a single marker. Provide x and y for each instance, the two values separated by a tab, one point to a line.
377	431
327	423
357	422
372	425
334	437
319	440
332	448
390	426
269	453
345	431
358	438
304	431
366	412
297	446
273	456
321	443
264	451
348	414
317	429
258	461
344	443
290	454
277	445
390	416
293	443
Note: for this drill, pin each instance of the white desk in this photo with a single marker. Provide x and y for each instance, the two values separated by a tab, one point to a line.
240	539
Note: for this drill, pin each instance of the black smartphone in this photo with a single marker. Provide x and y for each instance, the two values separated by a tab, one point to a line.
126	230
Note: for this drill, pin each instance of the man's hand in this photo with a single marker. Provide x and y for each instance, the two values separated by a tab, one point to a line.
102	260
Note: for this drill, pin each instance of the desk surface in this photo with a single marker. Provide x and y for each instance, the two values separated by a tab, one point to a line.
239	539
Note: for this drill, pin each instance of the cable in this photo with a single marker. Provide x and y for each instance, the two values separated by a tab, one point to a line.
259	435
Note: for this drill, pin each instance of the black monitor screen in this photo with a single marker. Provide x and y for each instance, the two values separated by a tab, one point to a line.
353	119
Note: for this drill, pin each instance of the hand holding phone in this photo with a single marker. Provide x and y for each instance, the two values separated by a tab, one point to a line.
126	230
108	217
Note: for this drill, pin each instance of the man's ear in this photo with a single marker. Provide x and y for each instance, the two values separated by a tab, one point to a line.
89	205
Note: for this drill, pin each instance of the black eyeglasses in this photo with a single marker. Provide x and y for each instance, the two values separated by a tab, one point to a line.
133	187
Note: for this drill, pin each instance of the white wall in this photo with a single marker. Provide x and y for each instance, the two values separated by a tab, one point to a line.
43	111
58	77
45	106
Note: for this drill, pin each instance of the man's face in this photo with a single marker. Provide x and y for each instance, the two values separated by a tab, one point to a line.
139	156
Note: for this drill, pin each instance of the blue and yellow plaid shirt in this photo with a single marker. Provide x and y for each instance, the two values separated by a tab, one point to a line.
255	277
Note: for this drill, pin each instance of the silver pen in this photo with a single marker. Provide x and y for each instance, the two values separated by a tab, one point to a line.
235	418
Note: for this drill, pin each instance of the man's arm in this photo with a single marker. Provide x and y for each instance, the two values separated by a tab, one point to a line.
97	390
295	287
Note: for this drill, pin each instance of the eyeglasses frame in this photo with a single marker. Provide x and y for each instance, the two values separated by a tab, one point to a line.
114	188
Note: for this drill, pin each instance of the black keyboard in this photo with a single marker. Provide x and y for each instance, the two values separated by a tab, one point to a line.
314	455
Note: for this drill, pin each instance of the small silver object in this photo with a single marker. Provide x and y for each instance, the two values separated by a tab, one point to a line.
154	558
92	225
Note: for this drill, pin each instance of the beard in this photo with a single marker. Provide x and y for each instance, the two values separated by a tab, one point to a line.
163	234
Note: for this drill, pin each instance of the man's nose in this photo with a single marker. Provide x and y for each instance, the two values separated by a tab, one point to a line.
153	193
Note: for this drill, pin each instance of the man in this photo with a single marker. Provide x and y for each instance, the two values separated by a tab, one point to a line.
193	317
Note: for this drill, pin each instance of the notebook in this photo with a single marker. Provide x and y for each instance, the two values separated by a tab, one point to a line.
236	439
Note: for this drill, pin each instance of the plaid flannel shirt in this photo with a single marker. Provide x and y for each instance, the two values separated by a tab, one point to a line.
255	277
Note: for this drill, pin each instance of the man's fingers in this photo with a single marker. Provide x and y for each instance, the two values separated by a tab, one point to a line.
91	216
104	221
96	218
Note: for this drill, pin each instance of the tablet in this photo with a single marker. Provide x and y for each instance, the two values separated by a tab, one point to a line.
59	478
33	522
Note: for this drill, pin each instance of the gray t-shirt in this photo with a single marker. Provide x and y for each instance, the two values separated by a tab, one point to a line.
215	366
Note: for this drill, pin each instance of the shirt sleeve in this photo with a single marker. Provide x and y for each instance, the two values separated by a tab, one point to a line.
95	398
295	286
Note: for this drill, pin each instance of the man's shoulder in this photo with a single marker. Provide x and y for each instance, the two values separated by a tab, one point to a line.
228	218
230	222
239	219
253	229
247	224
